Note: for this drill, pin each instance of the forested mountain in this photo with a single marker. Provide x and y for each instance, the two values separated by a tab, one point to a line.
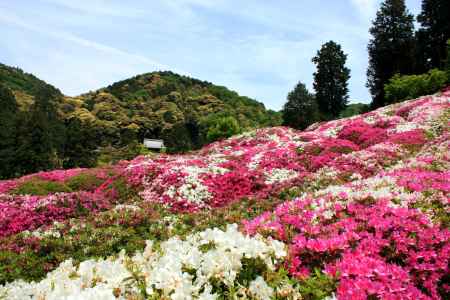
166	105
109	124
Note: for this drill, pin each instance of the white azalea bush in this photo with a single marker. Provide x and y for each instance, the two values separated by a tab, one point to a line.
206	265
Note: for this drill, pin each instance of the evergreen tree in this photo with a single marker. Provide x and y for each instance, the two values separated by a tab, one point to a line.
391	49
42	136
447	62
80	144
8	131
300	110
331	80
432	37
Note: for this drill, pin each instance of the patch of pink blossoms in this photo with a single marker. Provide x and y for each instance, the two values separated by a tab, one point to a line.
258	163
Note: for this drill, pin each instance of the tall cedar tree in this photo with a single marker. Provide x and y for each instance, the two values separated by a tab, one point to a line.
42	135
300	110
391	49
8	131
331	80
433	35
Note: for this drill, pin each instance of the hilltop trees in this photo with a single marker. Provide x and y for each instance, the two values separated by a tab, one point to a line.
433	34
300	110
331	85
391	49
8	117
331	80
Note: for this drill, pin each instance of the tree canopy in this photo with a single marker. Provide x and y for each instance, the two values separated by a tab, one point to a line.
433	34
391	49
300	110
331	80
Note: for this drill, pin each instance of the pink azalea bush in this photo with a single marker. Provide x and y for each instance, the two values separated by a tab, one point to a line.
262	162
374	250
19	213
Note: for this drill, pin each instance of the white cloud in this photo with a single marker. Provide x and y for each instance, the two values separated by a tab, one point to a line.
61	35
259	48
366	8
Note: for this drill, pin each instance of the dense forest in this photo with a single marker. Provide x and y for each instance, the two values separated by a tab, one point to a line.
47	129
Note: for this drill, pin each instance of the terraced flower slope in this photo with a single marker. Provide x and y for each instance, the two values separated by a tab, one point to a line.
355	208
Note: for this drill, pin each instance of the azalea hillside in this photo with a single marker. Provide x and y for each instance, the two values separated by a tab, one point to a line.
355	208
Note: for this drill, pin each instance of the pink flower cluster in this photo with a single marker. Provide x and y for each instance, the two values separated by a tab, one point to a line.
19	213
264	161
374	250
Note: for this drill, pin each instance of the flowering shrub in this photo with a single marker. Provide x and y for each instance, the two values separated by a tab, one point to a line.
18	213
369	217
375	250
207	265
258	163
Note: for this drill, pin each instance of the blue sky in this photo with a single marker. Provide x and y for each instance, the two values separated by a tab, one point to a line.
259	48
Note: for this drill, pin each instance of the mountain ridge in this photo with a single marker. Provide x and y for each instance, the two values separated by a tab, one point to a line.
160	104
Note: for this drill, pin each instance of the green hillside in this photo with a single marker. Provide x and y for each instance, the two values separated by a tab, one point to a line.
110	123
23	85
166	105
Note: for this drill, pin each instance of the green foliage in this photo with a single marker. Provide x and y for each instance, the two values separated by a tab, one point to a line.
41	134
110	155
83	182
317	286
413	86
331	79
354	109
16	79
300	110
222	128
39	187
169	106
447	63
8	132
391	47
80	144
433	34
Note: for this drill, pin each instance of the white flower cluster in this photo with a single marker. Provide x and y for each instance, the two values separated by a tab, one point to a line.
180	269
126	207
406	126
255	160
192	189
49	231
279	175
332	131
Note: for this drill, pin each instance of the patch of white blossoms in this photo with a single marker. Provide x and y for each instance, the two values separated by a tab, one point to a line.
179	269
279	175
193	190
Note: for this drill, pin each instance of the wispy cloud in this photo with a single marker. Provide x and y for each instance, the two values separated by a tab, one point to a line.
13	20
259	48
99	7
